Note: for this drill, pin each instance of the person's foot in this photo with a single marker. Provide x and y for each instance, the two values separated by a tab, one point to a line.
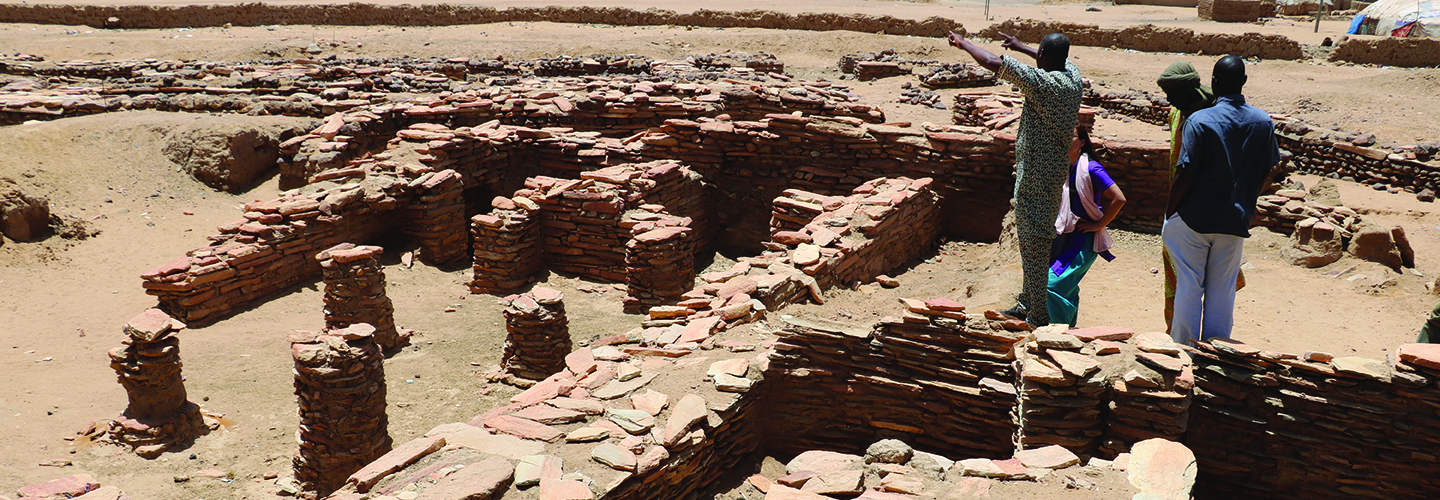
1017	312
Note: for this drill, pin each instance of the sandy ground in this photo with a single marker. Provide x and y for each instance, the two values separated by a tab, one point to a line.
63	301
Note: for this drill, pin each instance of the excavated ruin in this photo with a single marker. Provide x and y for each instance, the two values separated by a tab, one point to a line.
625	172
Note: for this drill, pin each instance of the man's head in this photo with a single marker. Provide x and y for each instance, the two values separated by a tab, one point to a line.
1229	75
1181	84
1053	51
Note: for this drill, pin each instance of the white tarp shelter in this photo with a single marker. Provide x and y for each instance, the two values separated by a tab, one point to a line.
1409	18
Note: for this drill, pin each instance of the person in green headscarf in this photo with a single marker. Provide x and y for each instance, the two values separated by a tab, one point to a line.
1182	87
1430	332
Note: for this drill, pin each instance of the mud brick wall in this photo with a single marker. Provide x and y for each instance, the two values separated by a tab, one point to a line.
884	224
580	226
340	384
1142	169
659	260
1235	11
1389	51
1151	38
944	385
134	17
159	414
355	292
1061	393
537	334
507	246
1279	425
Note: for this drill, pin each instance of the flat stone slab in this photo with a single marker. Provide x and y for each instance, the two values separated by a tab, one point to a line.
1034	369
532	468
735	367
65	487
1049	457
503	445
478	480
580	362
1424	355
1234	347
398	458
524	429
820	462
650	401
1074	363
550	415
614	456
725	382
564	489
618	388
1162	362
1362	367
632	421
1162	468
782	492
840	482
586	406
1054	337
1156	342
1101	333
586	434
689	410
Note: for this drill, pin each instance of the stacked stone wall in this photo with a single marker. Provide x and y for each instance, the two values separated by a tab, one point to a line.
537	334
1280	425
659	260
1061	393
943	385
355	292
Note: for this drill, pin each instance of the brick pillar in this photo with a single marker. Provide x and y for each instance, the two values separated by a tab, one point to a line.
538	335
659	262
159	414
507	246
340	383
355	292
1061	393
437	217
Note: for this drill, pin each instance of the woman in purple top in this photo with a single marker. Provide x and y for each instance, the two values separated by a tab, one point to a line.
1090	202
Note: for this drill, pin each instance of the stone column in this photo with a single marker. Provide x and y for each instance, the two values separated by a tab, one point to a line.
159	414
659	261
355	292
538	335
340	383
507	246
436	219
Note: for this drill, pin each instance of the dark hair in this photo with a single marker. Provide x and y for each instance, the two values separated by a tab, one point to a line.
1085	145
1056	47
1229	75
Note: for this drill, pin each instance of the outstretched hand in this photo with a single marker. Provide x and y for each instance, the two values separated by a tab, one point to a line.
1010	42
955	39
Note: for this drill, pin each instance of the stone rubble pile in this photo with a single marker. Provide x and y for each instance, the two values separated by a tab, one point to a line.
957	75
355	292
1314	425
507	246
885	223
340	384
1321	233
537	334
159	415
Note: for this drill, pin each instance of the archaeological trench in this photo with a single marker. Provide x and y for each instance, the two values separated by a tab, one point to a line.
626	170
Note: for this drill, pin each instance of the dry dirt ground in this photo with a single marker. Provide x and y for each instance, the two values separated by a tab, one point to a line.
62	302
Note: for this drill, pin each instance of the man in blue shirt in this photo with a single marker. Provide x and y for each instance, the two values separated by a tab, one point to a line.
1228	151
